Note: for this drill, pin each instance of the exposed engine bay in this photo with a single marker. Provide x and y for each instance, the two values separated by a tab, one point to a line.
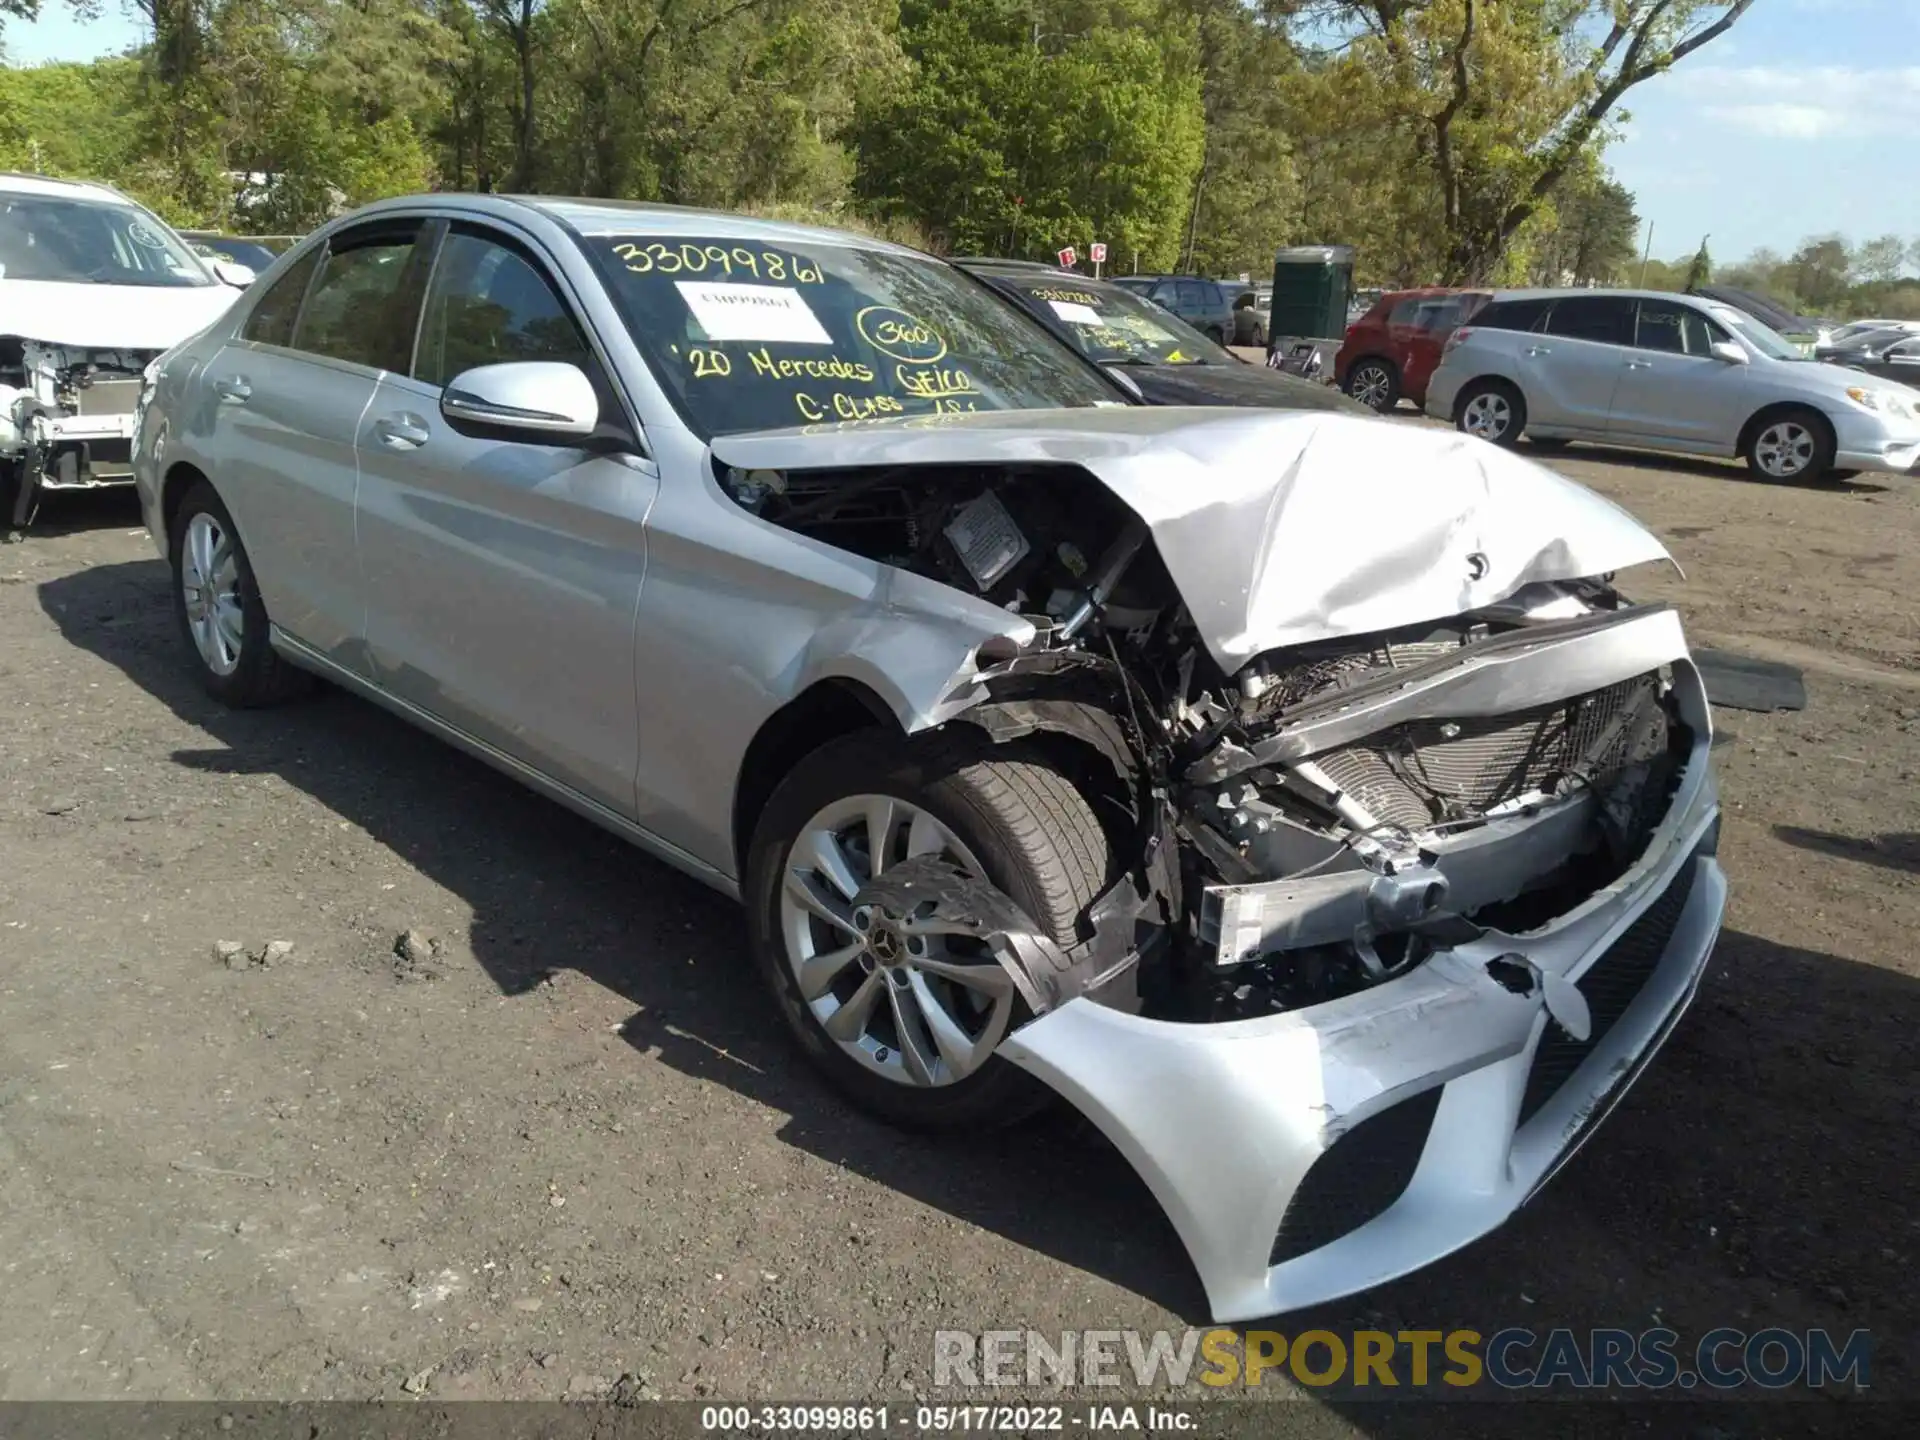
1283	847
66	416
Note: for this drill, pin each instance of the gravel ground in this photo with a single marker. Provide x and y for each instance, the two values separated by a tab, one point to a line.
562	1140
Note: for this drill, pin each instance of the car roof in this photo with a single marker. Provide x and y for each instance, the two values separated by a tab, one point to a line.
1030	269
631	217
1569	292
16	183
996	262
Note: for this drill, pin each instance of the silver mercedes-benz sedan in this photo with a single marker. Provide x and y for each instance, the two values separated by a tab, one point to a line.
1295	794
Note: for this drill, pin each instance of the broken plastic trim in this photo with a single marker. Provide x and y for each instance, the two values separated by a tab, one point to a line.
932	896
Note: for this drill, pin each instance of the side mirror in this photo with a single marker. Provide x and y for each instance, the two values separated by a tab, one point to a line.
228	273
541	402
1728	353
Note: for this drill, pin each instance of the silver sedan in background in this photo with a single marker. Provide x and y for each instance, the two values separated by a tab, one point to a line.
1295	794
1667	372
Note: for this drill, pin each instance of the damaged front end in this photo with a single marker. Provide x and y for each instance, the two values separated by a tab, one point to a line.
66	418
1402	910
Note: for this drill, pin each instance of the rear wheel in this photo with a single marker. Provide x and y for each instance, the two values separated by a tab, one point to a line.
1491	410
1375	384
1795	444
905	1023
218	606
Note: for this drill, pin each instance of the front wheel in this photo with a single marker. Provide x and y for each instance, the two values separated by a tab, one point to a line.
1794	445
906	1023
217	604
1491	410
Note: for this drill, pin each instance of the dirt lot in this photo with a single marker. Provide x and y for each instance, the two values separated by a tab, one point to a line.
572	1144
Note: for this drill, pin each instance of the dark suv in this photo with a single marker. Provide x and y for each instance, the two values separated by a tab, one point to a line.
1207	305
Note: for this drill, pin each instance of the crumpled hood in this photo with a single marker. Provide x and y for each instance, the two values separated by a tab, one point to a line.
1279	528
109	317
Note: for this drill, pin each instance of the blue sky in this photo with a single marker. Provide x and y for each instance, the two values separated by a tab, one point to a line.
1799	121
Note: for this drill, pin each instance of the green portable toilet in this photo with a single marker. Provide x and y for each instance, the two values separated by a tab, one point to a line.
1311	287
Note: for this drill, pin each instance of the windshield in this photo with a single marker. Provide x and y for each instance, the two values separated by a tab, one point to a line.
751	335
1768	342
91	242
1111	325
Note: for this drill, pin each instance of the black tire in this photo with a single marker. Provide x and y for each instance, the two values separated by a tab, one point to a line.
260	677
1818	429
17	496
1375	383
1032	830
1513	427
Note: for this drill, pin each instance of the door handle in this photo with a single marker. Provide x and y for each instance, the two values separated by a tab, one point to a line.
1533	350
402	432
1639	364
233	389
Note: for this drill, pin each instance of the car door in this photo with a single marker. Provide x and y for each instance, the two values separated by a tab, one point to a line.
289	393
502	576
1568	373
1671	389
1900	362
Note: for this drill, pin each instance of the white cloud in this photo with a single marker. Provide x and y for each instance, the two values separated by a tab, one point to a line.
1810	104
1785	122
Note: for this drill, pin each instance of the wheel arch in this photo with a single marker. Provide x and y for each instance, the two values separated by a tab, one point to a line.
1767	413
181	477
818	715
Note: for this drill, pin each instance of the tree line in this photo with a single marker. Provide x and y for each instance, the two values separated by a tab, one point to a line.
1826	277
1448	140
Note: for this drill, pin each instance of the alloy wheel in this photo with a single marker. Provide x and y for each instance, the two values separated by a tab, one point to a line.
210	586
900	996
1371	386
1785	449
1488	415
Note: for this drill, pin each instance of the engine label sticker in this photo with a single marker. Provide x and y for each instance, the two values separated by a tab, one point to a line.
774	313
1077	314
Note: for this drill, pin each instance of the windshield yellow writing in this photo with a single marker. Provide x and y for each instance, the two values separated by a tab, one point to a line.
841	406
694	258
931	383
899	335
780	367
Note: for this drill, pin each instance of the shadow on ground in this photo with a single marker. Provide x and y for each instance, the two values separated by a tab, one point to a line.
1899	851
1758	1175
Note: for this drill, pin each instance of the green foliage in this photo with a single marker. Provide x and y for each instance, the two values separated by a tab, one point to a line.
1025	127
1700	269
1444	139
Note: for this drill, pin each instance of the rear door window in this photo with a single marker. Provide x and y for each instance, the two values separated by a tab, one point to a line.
1405	311
273	317
1512	315
365	301
1606	319
1193	297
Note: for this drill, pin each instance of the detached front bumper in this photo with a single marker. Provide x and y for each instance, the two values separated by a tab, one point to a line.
1313	1154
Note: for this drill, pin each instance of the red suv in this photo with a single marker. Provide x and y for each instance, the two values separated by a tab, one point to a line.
1391	350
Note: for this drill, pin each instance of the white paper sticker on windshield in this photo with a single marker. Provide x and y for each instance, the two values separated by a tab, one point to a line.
773	313
1077	314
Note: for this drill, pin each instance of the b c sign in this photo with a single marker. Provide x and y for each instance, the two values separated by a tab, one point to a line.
1068	256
